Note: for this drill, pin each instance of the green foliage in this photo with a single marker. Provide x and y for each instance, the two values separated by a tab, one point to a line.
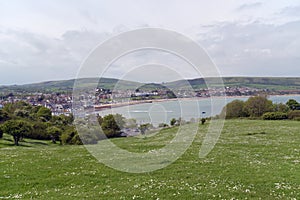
3	116
144	127
44	114
21	113
71	137
275	116
173	122
234	109
17	128
62	120
163	125
39	131
18	108
54	133
257	106
292	104
112	125
294	114
1	131
281	107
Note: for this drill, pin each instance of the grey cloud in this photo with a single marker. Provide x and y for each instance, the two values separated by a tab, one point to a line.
255	49
27	56
293	11
249	6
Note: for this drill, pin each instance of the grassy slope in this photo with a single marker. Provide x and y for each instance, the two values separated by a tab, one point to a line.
244	164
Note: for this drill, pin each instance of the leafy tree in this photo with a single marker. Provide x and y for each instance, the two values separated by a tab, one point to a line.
292	104
62	120
10	108
173	122
234	109
3	116
54	133
112	125
39	131
44	113
71	136
21	113
16	128
257	106
280	107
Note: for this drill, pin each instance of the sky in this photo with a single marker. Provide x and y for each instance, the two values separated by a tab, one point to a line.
49	39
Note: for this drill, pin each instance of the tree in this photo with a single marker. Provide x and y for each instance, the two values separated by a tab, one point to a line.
44	113
292	104
234	109
54	133
112	125
16	128
280	107
3	116
173	122
257	106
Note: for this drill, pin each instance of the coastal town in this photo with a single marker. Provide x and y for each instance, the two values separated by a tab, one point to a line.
101	98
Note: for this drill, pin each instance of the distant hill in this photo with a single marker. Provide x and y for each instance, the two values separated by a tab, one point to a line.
273	83
67	85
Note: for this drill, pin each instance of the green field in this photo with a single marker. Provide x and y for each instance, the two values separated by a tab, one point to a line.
253	159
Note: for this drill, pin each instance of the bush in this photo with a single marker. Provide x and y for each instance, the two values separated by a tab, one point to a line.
295	114
163	125
275	116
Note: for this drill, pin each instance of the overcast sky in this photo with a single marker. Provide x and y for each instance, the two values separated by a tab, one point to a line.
48	39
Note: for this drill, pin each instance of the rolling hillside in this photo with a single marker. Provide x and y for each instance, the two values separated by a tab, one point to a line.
273	83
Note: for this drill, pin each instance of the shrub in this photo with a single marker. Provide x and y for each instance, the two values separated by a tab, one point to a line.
163	125
275	116
295	114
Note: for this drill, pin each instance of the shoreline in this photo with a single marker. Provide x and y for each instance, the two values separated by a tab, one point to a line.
130	103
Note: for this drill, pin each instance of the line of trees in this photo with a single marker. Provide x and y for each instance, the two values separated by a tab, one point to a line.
22	120
260	107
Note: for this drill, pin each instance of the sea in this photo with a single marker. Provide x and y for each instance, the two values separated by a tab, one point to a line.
186	109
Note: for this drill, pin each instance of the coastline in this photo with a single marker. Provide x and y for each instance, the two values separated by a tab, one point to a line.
130	103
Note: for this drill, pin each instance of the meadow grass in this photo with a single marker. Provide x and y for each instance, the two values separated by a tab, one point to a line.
253	159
